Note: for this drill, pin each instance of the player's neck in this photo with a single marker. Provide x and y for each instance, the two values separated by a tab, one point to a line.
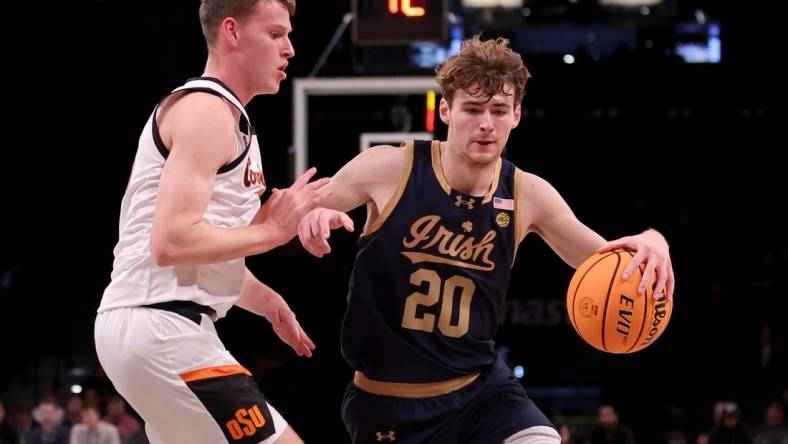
471	178
224	71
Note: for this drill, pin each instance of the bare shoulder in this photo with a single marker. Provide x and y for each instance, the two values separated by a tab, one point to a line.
538	194
382	163
372	176
386	154
531	180
197	116
533	187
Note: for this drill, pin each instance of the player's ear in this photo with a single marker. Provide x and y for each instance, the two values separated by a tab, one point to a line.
444	110
228	30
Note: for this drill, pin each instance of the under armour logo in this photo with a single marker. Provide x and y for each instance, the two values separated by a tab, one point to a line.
389	436
468	203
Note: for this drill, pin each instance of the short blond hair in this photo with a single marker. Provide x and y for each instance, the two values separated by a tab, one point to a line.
213	12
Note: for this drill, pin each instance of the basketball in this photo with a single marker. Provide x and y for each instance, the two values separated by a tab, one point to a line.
607	311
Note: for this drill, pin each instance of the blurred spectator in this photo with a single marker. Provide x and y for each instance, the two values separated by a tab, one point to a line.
565	430
51	431
773	430
731	430
8	433
609	429
116	414
23	421
73	411
94	431
719	408
90	397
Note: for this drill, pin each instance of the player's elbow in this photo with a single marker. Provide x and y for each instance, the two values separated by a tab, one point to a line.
163	251
163	256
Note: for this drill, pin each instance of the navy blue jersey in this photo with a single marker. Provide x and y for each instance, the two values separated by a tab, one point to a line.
430	277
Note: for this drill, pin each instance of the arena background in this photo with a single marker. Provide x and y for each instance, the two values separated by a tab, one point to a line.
631	133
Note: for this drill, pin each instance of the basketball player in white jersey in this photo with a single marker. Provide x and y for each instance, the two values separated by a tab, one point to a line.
189	217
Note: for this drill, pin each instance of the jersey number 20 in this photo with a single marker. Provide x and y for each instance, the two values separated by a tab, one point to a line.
434	285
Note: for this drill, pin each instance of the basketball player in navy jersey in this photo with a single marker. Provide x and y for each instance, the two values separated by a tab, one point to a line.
189	217
444	220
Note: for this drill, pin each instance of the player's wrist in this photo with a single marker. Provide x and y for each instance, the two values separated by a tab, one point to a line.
272	234
271	305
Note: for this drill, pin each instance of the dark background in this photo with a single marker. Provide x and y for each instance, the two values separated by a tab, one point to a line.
631	141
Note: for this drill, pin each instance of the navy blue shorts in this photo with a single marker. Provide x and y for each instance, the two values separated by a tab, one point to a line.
489	410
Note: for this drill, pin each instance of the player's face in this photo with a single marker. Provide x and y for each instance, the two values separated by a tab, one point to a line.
265	46
480	127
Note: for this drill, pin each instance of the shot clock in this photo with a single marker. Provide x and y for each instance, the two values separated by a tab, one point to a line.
399	22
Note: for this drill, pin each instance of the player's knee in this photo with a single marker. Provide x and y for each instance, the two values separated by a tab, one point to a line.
288	437
535	435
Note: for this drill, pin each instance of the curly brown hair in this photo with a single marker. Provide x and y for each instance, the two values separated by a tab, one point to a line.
484	67
213	12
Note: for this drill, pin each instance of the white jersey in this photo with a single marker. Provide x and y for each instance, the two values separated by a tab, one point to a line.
136	279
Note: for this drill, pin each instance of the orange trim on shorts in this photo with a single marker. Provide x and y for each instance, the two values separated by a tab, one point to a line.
214	372
411	390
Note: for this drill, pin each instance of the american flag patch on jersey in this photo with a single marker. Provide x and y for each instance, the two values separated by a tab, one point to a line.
503	204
